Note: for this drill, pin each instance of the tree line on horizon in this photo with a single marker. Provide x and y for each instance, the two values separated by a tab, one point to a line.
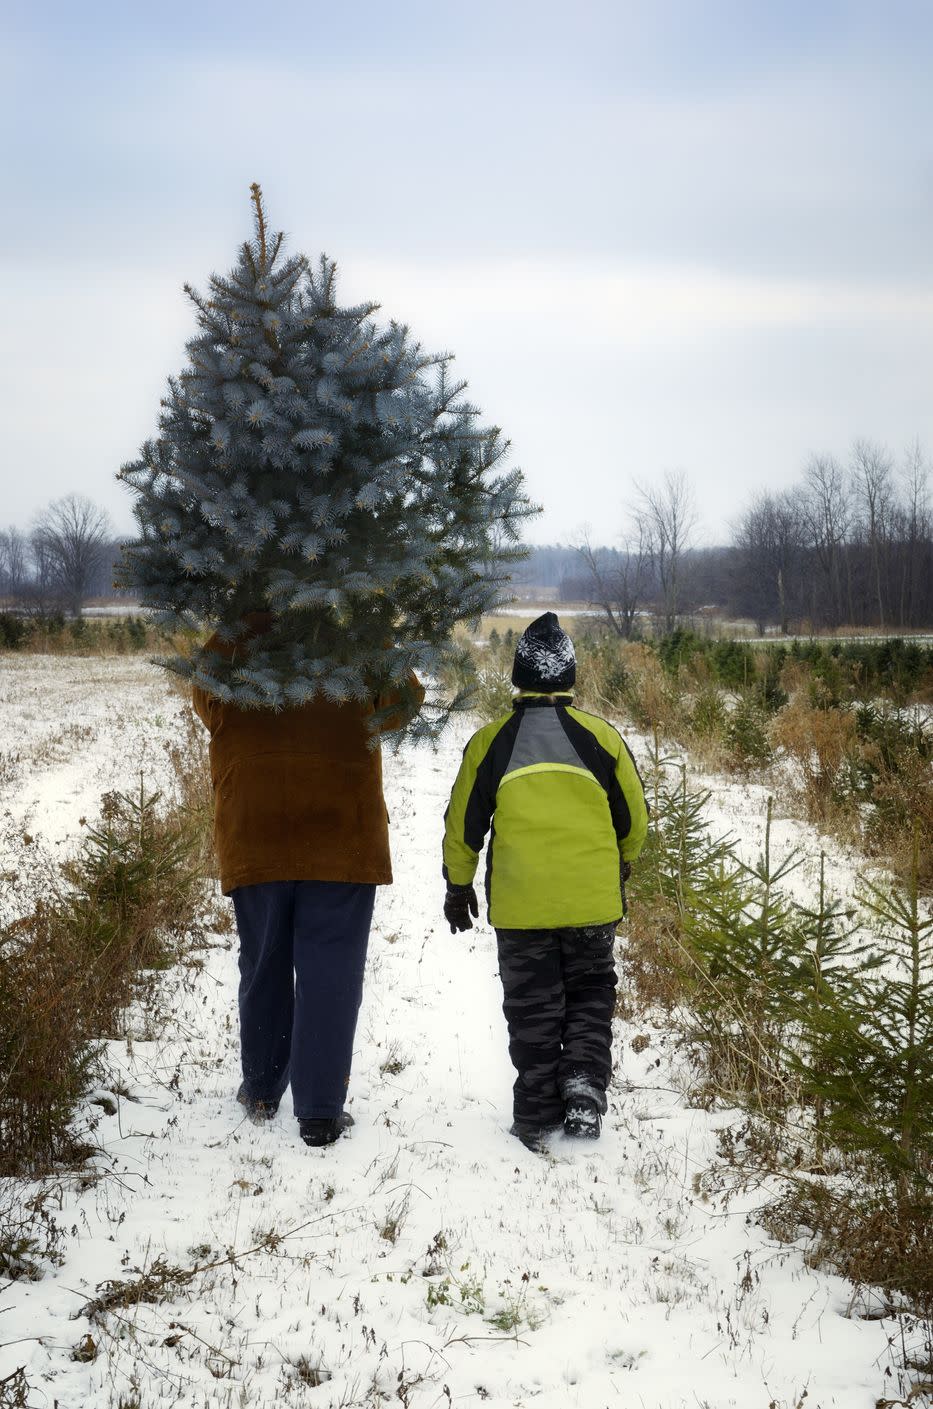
67	557
850	543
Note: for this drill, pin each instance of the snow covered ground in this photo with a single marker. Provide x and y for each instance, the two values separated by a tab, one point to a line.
428	1260
72	728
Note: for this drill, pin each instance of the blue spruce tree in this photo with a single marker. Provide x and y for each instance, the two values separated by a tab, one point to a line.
315	465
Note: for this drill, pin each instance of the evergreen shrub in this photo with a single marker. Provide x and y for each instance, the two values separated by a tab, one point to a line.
137	633
14	631
709	716
733	663
133	891
769	689
677	648
746	735
872	1062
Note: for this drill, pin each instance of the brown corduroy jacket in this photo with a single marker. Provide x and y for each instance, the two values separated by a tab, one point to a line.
297	793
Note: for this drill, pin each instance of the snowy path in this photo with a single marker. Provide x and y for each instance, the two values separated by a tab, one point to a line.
429	1260
72	727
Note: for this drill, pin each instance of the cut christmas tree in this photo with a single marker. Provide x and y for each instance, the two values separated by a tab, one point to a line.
323	469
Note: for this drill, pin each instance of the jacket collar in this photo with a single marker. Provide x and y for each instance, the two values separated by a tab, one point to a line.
537	699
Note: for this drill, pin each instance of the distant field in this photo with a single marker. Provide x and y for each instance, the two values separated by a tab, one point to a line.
853	637
575	614
517	617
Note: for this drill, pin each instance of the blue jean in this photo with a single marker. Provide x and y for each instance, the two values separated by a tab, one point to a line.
302	956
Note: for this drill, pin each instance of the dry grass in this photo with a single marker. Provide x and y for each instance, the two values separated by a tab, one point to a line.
57	635
190	761
47	1054
864	1233
520	615
80	942
83	636
629	676
30	1236
15	1390
818	742
653	975
864	774
903	808
90	940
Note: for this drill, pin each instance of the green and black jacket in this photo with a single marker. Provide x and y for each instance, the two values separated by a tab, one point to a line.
561	791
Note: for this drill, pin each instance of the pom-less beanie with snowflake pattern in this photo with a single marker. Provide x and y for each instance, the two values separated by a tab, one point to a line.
544	659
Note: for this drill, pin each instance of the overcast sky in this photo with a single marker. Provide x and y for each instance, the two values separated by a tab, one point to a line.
678	234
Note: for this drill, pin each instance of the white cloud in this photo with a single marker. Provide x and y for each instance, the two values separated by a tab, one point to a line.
648	301
599	372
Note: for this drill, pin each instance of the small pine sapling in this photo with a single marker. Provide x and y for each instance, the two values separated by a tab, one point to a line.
873	1065
833	961
749	952
683	875
746	734
680	856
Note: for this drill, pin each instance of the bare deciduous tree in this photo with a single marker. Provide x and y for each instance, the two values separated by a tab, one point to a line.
13	564
827	516
769	538
618	581
873	495
666	515
915	529
68	542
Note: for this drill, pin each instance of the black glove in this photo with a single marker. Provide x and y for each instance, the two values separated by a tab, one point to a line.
625	870
459	904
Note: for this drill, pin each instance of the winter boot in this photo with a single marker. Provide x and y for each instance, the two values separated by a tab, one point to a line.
326	1130
582	1117
533	1137
257	1110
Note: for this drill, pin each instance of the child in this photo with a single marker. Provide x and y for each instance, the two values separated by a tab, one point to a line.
568	815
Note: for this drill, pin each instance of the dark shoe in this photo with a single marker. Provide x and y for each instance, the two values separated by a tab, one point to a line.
582	1118
533	1137
257	1110
325	1131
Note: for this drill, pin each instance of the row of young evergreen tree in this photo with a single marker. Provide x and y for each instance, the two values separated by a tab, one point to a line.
815	1015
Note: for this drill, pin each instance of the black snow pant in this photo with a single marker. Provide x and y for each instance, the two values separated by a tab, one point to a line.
559	988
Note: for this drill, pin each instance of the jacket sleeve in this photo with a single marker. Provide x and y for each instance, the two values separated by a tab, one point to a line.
468	815
204	705
629	781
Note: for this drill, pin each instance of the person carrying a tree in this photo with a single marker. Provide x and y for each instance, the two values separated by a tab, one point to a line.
562	794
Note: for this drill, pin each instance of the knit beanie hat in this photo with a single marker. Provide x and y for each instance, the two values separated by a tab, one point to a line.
545	658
